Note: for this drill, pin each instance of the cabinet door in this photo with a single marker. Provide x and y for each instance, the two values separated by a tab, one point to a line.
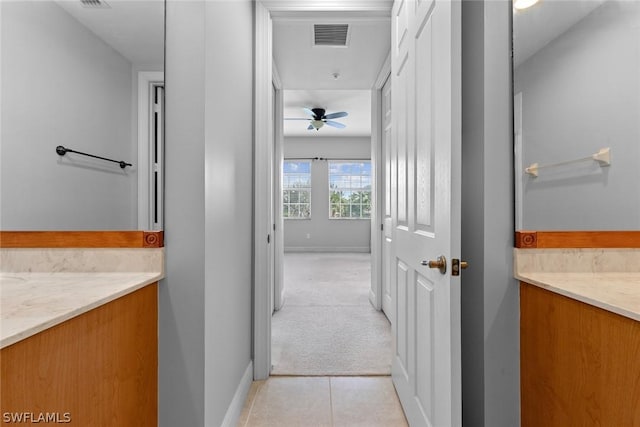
580	365
97	369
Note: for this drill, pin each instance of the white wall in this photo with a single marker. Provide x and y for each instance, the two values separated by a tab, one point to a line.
62	85
490	298
581	93
228	202
326	234
181	293
205	301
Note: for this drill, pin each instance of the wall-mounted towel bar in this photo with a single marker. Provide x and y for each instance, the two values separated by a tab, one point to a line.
62	151
603	157
328	158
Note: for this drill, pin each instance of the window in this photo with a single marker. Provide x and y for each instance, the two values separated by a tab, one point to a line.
350	189
296	189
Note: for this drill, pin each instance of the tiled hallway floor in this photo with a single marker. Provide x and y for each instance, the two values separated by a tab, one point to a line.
323	401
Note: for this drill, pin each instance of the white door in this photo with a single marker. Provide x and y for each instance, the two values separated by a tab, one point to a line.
426	84
387	227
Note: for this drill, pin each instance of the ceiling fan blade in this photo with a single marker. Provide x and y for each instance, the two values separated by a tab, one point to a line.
336	115
310	127
335	124
294	118
308	111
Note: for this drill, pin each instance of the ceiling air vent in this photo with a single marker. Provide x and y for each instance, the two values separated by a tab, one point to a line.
95	4
330	34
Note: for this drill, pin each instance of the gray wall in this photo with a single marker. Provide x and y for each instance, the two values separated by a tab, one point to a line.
581	93
205	300
326	234
181	299
62	85
490	298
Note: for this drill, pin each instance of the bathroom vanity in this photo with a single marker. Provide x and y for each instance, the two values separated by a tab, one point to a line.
579	336
575	109
79	334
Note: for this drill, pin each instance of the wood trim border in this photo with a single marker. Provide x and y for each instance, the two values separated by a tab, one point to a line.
82	239
526	239
577	239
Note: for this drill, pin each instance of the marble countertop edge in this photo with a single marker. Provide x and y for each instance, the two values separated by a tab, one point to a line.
587	287
38	324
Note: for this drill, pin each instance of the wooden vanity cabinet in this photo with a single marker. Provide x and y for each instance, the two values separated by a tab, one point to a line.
100	368
580	365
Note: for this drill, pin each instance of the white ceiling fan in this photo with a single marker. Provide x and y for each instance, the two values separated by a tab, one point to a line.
318	118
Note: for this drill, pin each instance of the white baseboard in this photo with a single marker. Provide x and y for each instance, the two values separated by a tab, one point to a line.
232	416
373	300
364	249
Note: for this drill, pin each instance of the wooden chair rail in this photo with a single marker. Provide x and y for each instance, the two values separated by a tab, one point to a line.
81	239
577	239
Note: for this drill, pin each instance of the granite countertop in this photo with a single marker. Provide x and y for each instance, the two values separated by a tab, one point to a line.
607	279
32	302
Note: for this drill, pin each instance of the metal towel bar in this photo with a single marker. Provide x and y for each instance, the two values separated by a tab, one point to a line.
603	157
62	151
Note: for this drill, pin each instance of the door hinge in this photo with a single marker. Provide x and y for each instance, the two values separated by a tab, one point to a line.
381	227
268	238
274	227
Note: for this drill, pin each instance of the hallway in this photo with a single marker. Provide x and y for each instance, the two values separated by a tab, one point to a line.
327	325
331	350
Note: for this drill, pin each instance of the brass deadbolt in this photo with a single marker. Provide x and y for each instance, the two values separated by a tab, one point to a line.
456	265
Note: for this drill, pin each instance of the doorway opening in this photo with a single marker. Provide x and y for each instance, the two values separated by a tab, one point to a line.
327	298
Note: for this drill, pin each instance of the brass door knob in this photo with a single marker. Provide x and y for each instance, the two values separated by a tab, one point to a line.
440	263
464	264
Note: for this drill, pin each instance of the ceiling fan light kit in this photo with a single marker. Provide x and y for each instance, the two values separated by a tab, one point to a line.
318	118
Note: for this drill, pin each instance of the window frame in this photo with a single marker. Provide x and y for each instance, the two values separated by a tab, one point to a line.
308	189
350	189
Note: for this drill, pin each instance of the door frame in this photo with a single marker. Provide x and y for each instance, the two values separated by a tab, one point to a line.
278	222
377	160
518	166
263	142
263	147
145	80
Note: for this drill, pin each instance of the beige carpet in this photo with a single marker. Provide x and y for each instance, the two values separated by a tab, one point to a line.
327	325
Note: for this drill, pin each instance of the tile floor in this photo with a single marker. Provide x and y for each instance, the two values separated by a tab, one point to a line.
323	401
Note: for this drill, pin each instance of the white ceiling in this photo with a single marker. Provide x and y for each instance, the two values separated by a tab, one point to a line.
303	66
135	28
355	102
306	72
535	27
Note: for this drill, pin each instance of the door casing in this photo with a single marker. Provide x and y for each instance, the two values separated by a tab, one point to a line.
146	82
263	152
